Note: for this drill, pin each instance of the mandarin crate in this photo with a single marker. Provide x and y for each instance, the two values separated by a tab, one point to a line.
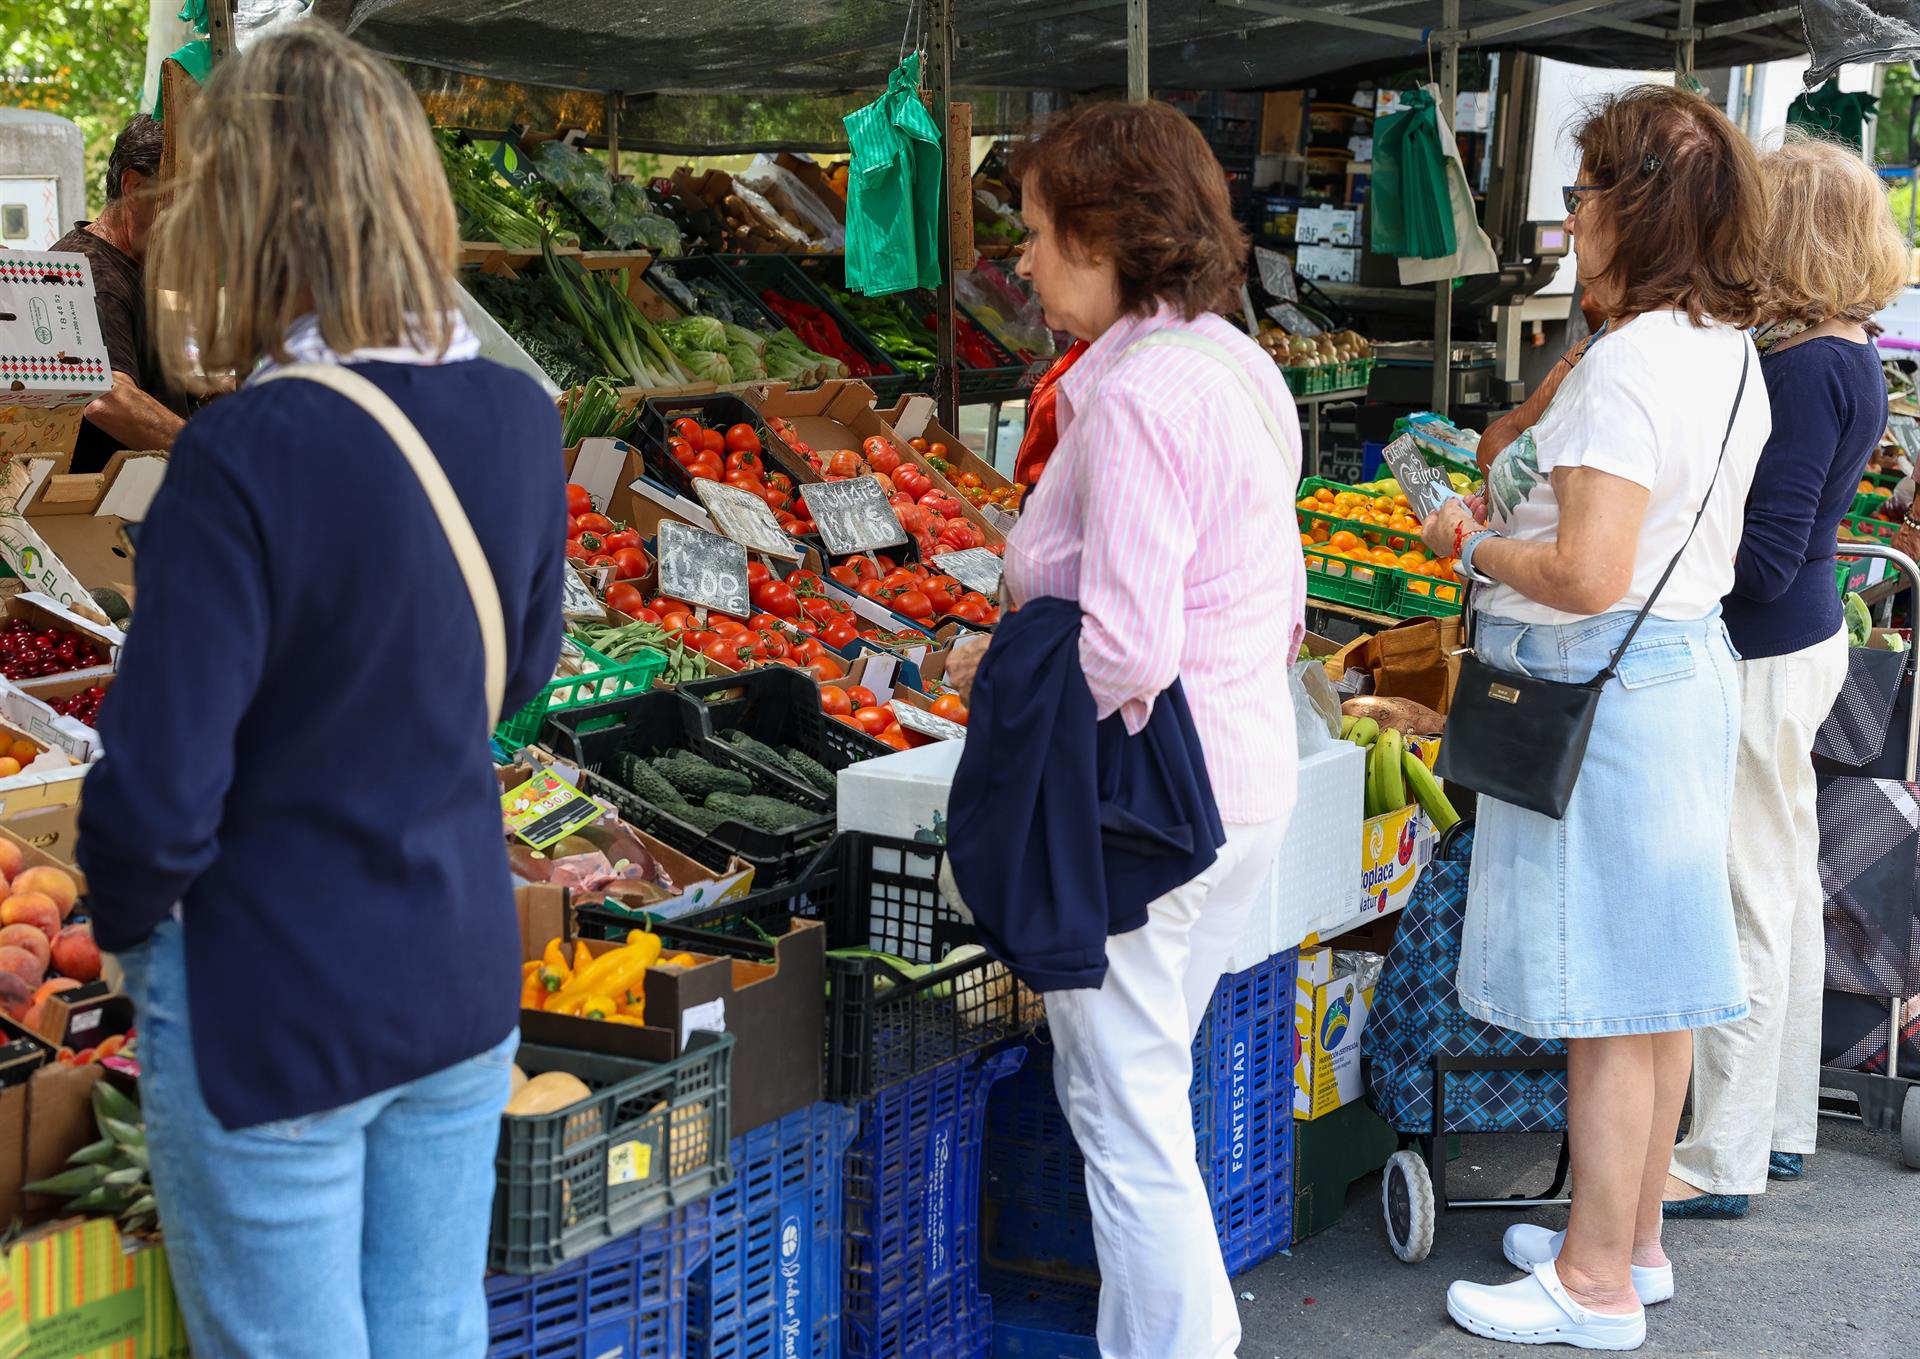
1359	584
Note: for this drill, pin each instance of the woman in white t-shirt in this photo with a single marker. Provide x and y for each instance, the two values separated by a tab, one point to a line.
1614	927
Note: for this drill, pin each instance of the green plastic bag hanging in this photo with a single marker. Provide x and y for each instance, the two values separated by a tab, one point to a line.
1834	113
1408	206
893	190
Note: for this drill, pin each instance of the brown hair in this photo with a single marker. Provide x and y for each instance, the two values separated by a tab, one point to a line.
310	183
1684	201
1138	184
1834	250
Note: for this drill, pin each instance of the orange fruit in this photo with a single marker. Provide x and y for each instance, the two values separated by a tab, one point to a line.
26	752
1344	541
8	767
1385	556
1320	533
1324	496
1307	502
1306	540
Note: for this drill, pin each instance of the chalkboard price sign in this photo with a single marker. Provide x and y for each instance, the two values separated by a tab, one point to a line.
703	568
1425	486
976	568
853	516
745	518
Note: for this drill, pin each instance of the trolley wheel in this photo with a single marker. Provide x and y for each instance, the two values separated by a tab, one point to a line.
1910	1128
1406	1197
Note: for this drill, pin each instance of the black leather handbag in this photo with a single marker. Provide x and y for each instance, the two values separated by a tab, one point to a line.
1522	740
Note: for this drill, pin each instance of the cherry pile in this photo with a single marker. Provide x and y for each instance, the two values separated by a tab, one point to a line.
27	652
83	707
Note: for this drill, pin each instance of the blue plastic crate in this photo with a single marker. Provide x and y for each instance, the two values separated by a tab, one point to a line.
912	1283
627	1300
771	1287
1037	1232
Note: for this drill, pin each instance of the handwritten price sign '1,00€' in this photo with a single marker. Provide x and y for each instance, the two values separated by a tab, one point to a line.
703	568
853	516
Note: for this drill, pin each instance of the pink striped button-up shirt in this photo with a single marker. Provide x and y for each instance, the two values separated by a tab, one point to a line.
1167	513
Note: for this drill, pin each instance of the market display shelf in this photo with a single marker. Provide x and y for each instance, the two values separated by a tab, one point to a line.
693	271
627	1298
649	1139
1005	377
646	725
607	680
772	1281
913	1215
758	273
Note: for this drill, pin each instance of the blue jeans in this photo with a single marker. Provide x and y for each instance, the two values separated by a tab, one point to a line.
355	1233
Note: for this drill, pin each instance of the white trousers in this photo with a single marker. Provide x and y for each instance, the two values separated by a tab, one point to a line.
1756	1081
1123	1063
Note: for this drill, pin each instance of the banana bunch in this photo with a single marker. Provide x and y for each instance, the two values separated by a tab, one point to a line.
1396	776
109	1176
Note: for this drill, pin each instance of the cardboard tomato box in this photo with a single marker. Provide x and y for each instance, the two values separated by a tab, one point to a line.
912	417
42	611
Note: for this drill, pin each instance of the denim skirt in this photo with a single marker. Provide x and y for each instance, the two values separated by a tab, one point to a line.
1619	918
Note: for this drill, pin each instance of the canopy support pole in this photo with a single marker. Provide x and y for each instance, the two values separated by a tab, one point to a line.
1443	289
1137	51
946	378
220	29
614	100
1683	42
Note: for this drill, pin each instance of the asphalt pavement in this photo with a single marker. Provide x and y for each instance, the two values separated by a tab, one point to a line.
1827	1265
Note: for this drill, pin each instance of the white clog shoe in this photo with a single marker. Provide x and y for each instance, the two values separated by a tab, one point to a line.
1527	1245
1536	1310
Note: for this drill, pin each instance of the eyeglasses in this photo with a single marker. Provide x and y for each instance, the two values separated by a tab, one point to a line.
1570	194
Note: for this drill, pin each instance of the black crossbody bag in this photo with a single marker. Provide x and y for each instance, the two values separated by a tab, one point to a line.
1522	740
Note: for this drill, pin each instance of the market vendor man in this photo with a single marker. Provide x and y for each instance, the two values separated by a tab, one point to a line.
137	413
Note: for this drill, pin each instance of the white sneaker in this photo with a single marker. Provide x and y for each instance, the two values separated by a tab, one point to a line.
1527	1245
1537	1311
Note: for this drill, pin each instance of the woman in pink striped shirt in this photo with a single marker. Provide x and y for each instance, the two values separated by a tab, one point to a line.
1167	513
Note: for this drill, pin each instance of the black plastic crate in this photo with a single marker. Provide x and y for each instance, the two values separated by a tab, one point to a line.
882	1026
742	928
661	720
777	706
695	272
716	410
757	273
651	1137
1003	379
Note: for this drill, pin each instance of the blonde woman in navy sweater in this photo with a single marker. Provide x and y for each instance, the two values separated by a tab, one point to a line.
294	839
1835	257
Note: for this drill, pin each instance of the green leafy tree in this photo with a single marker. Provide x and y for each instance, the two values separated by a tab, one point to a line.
82	59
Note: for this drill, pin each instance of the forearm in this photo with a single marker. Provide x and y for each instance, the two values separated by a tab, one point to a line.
1550	574
133	417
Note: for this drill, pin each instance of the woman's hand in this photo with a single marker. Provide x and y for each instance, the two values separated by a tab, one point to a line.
1442	528
963	664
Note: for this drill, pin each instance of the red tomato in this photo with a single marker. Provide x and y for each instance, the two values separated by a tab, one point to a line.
776	500
873	720
743	438
860	696
699	639
601	559
913	603
683	451
849	720
950	707
940	503
727	651
744	459
882	456
845	463
577	553
893	736
776	597
578	501
646	616
620	538
626	598
630	563
827	666
747	481
728	627
705	471
780	481
712	440
833	700
840	633
940	598
757	572
967	611
592	523
689	429
676	620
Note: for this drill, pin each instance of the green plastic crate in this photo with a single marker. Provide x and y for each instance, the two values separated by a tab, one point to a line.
1399	540
1867	502
1879	530
1348	582
1351	374
1416	596
1311	380
1850	574
605	681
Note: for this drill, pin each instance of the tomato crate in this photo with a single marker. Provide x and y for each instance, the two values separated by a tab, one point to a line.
649	1139
912	1250
771	1285
1342	581
627	1298
606	680
646	725
720	410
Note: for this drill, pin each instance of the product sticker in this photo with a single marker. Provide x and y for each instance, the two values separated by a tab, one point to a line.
84	1022
711	1014
545	810
1239	1104
629	1163
937	1202
796	1234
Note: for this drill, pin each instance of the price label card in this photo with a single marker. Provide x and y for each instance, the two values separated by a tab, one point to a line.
999	518
547	809
577	600
1906	432
703	568
745	518
853	516
629	1163
911	718
976	568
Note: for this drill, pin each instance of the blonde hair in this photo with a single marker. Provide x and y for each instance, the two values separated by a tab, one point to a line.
1834	251
308	182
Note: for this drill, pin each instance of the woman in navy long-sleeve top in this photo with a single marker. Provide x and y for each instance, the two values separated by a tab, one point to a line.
1836	258
294	840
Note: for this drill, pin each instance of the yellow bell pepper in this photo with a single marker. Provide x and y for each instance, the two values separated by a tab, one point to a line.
582	959
598	1007
632	1020
613	970
532	993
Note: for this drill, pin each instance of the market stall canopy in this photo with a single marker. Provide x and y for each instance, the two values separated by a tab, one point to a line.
789	46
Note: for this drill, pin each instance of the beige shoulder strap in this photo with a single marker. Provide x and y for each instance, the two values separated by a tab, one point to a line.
446	506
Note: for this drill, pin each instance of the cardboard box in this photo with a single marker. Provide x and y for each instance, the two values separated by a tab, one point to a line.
53	779
52	354
912	417
1328	263
1329	1014
34	716
44	611
79	522
1395	850
53	831
769	995
83	1294
1327	226
1283	121
903	795
36	855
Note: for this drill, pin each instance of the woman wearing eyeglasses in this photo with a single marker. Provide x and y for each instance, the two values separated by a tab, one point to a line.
1613	927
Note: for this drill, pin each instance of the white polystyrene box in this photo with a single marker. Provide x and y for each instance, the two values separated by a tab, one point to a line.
903	795
1313	874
